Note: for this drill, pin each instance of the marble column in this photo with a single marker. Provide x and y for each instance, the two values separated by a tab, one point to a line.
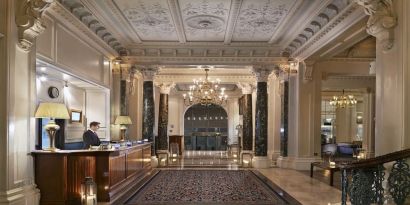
284	119
247	125
162	144
148	107
261	120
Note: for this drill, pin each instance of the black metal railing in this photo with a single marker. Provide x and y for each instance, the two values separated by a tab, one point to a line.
362	181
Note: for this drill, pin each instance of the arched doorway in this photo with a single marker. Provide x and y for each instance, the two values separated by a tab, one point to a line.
206	128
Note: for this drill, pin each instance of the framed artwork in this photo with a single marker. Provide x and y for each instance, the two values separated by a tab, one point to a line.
76	116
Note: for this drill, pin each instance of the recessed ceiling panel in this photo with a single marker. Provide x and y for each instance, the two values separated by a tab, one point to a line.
258	19
205	20
150	18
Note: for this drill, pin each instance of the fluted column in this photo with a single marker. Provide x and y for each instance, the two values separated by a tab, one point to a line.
162	144
261	119
148	107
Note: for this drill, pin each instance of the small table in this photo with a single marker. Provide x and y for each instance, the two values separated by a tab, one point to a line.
324	166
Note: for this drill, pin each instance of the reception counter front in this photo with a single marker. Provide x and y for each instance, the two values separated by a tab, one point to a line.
59	174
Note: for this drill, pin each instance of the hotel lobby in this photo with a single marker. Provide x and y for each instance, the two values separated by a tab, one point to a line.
142	102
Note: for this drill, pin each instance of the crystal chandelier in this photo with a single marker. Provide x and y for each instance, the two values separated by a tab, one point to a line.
205	92
343	100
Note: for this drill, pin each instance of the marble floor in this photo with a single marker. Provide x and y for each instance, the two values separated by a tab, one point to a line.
303	188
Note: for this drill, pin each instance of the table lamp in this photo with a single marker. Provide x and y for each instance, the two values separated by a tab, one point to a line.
52	111
123	120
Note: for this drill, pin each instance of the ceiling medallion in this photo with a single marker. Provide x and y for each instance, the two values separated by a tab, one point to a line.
205	92
343	100
206	22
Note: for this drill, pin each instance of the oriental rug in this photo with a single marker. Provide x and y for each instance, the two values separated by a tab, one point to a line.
205	187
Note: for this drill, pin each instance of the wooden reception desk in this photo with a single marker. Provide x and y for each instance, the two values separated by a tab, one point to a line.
59	174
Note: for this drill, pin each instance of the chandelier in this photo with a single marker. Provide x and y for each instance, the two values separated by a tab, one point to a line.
343	100
205	92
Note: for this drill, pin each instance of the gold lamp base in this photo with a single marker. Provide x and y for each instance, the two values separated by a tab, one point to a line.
51	129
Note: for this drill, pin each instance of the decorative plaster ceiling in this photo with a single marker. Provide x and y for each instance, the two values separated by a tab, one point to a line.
241	32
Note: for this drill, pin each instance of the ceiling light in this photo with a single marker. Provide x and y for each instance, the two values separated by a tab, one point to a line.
43	78
205	92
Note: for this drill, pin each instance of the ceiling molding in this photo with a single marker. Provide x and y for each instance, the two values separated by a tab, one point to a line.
282	24
348	60
121	33
233	16
204	60
339	24
308	16
67	19
225	79
85	16
176	15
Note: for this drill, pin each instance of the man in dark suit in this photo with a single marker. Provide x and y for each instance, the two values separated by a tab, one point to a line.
90	137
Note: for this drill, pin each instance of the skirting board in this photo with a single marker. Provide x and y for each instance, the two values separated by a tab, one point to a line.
27	195
297	163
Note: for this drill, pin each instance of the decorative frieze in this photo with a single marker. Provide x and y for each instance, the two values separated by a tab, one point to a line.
247	88
381	21
29	22
148	73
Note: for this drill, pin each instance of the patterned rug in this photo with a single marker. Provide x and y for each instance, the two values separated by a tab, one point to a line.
186	187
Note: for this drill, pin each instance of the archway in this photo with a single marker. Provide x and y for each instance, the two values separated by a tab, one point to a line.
205	128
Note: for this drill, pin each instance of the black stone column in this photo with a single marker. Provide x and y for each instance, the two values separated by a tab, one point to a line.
261	121
284	120
163	122
247	131
148	114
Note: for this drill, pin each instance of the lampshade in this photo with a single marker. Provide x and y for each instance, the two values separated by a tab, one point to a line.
123	120
52	110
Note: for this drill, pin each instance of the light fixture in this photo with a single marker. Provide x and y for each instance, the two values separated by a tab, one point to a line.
52	111
123	120
42	78
88	192
205	92
289	67
343	100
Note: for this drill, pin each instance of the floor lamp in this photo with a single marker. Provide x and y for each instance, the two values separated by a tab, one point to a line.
52	111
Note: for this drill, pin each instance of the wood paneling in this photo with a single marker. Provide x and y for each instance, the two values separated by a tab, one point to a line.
59	174
134	162
85	167
117	169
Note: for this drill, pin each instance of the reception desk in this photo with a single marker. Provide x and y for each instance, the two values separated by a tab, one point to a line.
59	174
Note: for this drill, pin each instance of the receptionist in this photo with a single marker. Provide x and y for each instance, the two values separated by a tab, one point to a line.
90	137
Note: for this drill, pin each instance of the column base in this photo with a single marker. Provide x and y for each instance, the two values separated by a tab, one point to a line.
163	156
261	162
154	162
245	158
297	163
23	195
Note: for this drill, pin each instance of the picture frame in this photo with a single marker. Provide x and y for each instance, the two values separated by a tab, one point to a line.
76	116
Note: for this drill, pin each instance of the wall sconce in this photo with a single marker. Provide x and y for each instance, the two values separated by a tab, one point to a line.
88	192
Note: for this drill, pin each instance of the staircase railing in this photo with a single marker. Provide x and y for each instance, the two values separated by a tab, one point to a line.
365	185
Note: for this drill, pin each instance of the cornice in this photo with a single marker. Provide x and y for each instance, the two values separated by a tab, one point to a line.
85	17
283	22
66	18
106	19
302	24
233	15
346	77
188	78
176	15
367	60
129	30
349	16
201	60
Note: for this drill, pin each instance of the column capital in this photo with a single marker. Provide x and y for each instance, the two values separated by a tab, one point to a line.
148	74
247	88
29	22
381	21
262	73
165	88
